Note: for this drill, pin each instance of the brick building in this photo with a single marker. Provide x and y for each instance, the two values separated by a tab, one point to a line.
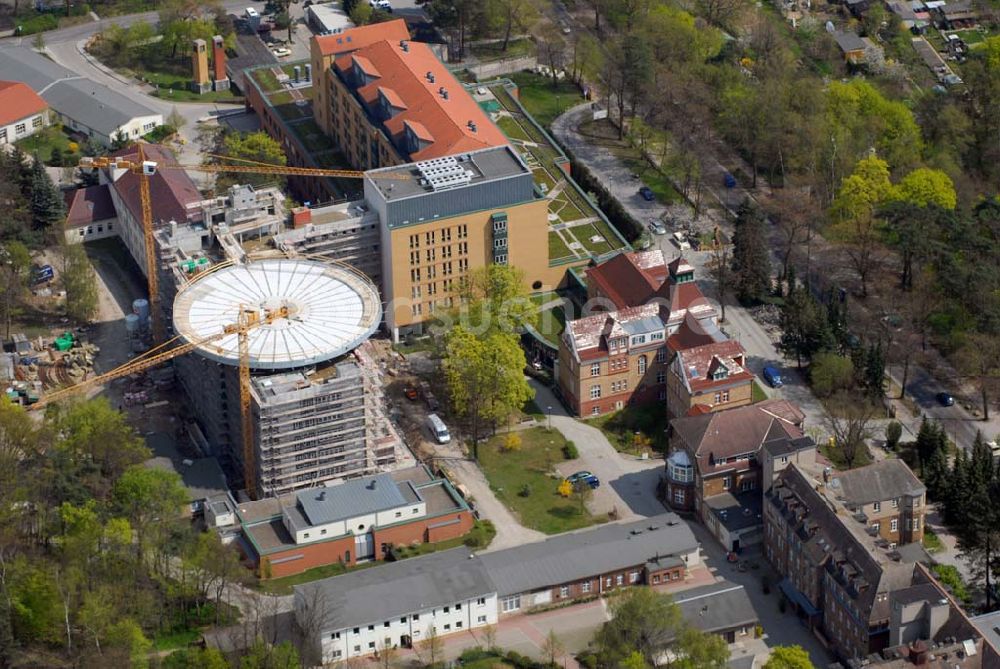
888	495
616	358
706	377
718	462
843	579
352	522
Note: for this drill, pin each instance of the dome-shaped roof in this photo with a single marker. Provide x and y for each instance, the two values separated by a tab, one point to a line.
679	459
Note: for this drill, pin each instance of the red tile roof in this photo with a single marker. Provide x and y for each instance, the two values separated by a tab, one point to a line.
88	205
448	120
699	363
18	102
689	335
170	190
362	36
629	279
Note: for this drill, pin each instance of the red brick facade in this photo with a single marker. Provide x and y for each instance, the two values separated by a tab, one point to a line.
297	559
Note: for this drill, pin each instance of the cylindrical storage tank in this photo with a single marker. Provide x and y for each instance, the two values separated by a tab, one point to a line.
295	71
140	308
131	324
309	71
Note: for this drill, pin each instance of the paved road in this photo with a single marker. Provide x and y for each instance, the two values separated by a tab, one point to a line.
628	483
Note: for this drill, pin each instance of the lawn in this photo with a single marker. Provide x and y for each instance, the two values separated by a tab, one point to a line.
566	210
622	427
932	542
603	133
836	456
541	176
480	536
543	101
757	393
53	137
512	128
283	586
522	480
516	48
312	137
290	110
585	234
558	248
177	87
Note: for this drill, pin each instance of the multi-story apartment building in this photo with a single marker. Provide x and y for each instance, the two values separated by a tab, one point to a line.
385	100
450	216
888	495
612	359
844	579
715	467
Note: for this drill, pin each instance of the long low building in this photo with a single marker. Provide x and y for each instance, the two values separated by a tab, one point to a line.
80	104
400	603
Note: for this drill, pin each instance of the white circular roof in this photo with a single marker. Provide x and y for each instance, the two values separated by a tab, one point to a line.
331	309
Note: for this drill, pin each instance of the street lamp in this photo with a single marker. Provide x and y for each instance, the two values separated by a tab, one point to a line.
549	410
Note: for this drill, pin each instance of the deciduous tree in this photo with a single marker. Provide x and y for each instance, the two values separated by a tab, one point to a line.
751	259
789	657
79	282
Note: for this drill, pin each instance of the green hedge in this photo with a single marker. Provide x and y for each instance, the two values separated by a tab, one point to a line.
569	451
627	226
37	24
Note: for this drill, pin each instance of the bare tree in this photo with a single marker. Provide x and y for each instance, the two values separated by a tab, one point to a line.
977	360
849	421
490	636
386	653
552	46
794	214
553	647
433	646
722	13
719	268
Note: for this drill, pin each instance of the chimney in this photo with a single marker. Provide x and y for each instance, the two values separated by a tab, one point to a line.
444	92
220	78
309	70
404	45
296	73
472	125
430	76
321	496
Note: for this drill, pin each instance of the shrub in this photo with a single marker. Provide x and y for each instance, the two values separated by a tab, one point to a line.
473	654
830	372
37	24
569	451
56	159
73	147
512	442
893	433
525	490
587	659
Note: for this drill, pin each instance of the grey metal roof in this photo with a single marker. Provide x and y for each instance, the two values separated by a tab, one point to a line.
357	497
643	325
82	100
372	596
716	607
484	166
988	625
877	482
576	555
736	512
849	41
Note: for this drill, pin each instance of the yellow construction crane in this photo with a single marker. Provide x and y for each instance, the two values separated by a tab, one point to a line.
247	320
147	168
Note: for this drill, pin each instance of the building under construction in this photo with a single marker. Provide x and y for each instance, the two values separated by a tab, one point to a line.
316	404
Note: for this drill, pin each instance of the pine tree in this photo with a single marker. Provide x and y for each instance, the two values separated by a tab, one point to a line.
804	329
935	474
955	510
875	370
751	262
47	206
981	471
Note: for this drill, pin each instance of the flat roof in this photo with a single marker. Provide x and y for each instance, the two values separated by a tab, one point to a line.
716	607
332	310
440	174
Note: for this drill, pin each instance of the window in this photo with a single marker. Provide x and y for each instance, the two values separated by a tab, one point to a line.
430	255
642	364
564	591
371	645
322	531
335	635
337	654
656	579
633	577
463	231
895	503
305	535
371	628
681	473
416	309
458	625
414	257
893	525
36	122
876	526
725	395
638	339
399	514
447	609
661	355
415	275
447	626
747	484
595	411
661	377
727	482
429	237
481	601
458	607
595	392
385	624
357	630
19	129
784	459
402	621
512	602
3	134
876	507
500	259
585	587
916	524
357	649
678	496
620	579
416	616
481	619
717	398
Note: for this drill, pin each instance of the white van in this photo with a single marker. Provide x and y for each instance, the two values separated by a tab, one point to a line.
438	429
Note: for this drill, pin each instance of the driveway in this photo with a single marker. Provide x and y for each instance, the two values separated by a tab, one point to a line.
628	483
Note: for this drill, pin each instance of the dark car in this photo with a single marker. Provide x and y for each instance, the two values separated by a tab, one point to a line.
584	477
945	399
647	194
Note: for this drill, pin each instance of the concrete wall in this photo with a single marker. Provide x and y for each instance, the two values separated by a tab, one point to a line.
498	68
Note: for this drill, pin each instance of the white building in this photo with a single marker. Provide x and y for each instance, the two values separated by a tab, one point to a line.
22	112
85	106
395	605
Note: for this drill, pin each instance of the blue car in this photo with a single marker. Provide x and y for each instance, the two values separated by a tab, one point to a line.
773	377
580	478
647	194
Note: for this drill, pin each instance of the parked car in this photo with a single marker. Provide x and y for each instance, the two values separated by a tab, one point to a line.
42	274
647	194
945	399
657	228
773	377
438	429
680	239
411	393
384	5
282	52
728	180
582	477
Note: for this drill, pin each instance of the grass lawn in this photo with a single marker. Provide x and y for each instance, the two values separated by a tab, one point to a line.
585	233
836	456
522	482
621	427
42	142
478	537
932	543
541	176
175	640
566	210
551	323
291	111
558	248
543	100
283	586
757	393
172	87
512	128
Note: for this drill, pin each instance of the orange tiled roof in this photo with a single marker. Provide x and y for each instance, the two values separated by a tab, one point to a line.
437	102
630	279
18	101
362	36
